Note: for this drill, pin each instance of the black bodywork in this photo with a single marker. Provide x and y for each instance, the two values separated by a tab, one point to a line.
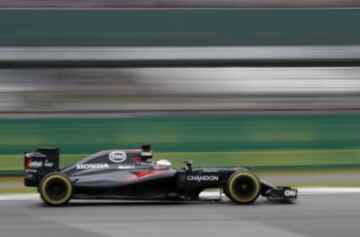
130	174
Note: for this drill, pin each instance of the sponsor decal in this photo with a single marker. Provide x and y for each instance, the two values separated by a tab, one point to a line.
35	164
38	164
31	170
117	156
200	178
126	167
290	193
29	176
91	166
36	154
48	164
146	153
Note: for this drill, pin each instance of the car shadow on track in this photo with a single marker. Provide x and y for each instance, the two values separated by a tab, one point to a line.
79	203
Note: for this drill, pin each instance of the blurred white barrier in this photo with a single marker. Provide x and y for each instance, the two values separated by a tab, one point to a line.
126	54
166	90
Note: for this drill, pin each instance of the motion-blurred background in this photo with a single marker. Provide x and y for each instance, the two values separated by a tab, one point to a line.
269	84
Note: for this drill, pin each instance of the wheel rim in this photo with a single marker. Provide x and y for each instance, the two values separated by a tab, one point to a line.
56	189
245	187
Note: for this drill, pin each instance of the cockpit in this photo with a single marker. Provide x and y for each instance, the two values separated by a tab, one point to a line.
126	159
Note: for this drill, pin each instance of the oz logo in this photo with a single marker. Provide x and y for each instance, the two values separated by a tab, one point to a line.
117	156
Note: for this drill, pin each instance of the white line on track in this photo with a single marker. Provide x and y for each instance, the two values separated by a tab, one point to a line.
327	190
14	197
213	194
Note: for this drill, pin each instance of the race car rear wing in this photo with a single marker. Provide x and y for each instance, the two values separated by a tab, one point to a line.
39	163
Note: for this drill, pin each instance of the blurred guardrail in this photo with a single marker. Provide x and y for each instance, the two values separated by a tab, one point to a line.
176	90
90	57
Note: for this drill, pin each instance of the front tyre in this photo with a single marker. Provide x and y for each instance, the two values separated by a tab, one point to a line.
55	189
243	187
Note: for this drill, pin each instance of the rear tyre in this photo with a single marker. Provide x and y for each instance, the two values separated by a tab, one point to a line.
55	189
243	187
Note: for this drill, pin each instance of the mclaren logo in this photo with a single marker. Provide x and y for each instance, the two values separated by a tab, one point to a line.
117	156
200	178
91	166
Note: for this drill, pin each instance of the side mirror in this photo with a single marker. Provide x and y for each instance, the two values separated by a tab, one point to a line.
188	164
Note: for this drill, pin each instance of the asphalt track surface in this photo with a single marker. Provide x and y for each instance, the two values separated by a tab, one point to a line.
312	215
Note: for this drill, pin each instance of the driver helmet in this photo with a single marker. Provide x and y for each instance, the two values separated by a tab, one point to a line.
162	165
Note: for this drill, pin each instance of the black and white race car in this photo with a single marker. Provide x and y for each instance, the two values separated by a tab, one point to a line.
130	174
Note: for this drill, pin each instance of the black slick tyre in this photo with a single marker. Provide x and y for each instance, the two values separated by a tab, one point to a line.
55	189
243	187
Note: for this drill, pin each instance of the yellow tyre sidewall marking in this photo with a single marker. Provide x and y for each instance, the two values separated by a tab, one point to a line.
47	198
233	193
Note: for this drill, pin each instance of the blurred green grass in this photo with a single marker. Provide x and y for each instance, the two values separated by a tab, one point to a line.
183	133
209	140
276	158
17	190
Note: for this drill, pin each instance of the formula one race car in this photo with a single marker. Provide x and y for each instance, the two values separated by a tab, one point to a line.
130	174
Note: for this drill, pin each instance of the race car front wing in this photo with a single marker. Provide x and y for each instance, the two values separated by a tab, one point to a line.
278	193
281	193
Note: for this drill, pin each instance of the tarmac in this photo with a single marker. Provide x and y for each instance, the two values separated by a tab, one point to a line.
317	212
